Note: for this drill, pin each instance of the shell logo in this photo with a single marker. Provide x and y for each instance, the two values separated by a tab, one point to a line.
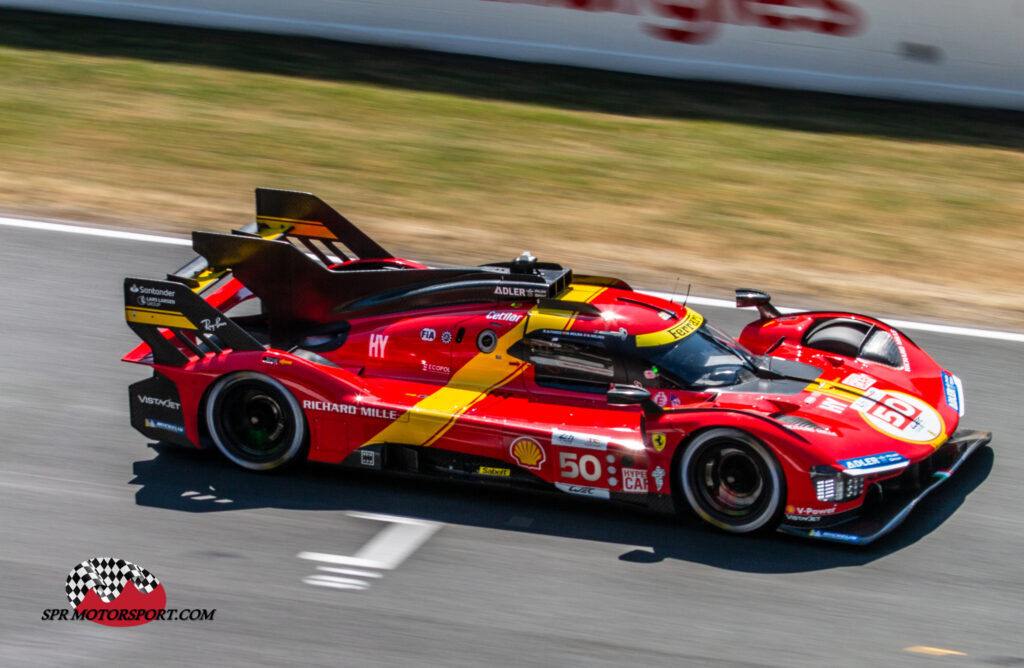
528	453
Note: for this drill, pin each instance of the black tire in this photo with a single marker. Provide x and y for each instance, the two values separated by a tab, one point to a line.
732	481
841	338
255	421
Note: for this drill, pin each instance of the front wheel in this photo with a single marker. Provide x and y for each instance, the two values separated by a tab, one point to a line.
732	481
255	421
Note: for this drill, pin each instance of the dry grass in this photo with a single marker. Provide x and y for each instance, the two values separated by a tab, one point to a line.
824	200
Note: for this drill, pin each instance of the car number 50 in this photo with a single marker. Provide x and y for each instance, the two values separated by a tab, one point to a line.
897	413
572	465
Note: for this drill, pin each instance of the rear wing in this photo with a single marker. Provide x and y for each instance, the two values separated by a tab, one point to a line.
172	317
312	269
163	311
300	218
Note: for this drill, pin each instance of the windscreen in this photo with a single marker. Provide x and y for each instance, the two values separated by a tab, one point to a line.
707	358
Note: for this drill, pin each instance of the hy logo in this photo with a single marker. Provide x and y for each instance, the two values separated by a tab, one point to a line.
378	344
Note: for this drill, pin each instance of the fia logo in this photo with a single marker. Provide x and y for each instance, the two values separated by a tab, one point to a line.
378	343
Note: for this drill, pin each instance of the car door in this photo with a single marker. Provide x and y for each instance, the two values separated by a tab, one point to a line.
565	429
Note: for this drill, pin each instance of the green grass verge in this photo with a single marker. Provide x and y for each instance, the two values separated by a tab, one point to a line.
895	207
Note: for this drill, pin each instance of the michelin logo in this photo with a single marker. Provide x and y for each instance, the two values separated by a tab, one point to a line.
166	426
832	535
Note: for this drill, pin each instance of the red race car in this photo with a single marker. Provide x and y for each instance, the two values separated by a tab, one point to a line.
299	337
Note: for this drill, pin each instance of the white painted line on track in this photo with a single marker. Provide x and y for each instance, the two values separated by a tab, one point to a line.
93	231
909	325
350	571
385	551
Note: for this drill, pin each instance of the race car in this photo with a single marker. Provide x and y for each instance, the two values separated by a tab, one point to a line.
298	337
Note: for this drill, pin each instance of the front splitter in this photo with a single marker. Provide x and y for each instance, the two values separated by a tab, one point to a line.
865	530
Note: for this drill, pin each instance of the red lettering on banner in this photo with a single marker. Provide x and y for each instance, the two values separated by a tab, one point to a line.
699	21
703	20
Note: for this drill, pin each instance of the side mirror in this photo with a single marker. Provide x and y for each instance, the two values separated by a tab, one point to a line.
746	297
625	395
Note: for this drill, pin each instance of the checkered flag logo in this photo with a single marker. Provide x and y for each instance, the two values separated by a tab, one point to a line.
107	576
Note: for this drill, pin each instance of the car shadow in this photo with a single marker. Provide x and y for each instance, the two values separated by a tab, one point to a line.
493	79
201	482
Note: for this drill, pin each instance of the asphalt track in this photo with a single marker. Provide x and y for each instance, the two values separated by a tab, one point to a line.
474	576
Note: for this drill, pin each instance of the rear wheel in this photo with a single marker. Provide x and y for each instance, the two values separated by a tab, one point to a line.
732	481
255	421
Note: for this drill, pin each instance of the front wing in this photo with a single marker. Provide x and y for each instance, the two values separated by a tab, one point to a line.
874	524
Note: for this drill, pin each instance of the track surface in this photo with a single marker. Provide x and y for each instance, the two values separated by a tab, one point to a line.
508	578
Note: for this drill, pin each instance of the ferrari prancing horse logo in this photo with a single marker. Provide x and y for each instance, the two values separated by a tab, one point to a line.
658	441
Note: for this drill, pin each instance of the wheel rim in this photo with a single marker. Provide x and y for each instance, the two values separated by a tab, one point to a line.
731	481
254	421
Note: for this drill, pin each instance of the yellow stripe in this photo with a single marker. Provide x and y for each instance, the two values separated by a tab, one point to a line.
305	228
564	319
676	332
279	223
852	394
433	416
209	276
549	320
834	389
429	419
473	402
147	316
581	293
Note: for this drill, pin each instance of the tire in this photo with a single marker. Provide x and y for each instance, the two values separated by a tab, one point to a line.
255	421
840	338
732	481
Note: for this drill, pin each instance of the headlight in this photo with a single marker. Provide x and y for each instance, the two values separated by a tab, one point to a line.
832	486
